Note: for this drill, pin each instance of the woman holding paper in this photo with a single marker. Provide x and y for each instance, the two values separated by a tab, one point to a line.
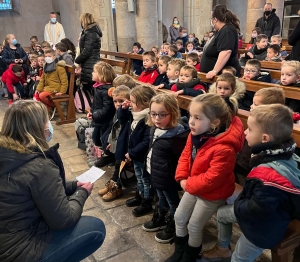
40	213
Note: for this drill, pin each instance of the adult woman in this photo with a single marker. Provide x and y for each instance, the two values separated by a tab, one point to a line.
13	53
222	49
294	40
70	47
40	213
89	44
174	30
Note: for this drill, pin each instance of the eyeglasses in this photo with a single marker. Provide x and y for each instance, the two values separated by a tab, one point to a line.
160	116
250	71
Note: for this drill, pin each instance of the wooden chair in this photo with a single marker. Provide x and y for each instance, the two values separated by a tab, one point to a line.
70	116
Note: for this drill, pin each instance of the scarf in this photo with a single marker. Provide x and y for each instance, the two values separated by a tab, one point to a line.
191	84
50	67
150	69
138	116
259	51
176	25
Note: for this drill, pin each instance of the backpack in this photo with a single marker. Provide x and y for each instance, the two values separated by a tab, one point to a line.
83	100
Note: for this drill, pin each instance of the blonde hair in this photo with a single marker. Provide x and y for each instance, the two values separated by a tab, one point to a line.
165	58
151	54
125	79
294	64
33	58
171	105
271	95
5	42
49	51
24	122
45	44
105	72
190	69
178	62
143	94
86	19
277	36
229	78
275	120
122	90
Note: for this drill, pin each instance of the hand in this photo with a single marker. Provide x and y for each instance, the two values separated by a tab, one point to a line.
127	157
79	184
16	61
243	55
250	55
126	104
88	186
21	61
89	115
58	94
15	97
210	74
25	84
108	147
283	61
183	184
159	86
37	78
78	70
180	92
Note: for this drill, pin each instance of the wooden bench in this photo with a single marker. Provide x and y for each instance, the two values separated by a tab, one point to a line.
275	74
271	65
117	63
70	116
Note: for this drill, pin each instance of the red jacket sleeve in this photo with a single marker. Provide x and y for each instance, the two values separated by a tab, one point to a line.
174	88
199	87
23	79
183	167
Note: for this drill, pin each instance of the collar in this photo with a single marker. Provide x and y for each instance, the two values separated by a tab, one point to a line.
191	84
150	69
97	84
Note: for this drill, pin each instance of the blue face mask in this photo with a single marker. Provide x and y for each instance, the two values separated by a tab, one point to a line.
50	128
14	42
53	20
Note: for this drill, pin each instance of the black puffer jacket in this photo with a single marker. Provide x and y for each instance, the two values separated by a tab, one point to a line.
269	26
33	201
89	44
294	40
8	57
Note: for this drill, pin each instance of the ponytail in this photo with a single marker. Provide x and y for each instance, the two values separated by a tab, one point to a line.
226	16
232	104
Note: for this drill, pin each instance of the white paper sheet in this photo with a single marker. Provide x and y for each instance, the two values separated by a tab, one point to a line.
91	175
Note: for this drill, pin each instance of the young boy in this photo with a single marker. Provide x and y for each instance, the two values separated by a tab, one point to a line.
15	81
273	53
192	59
62	54
137	64
173	70
34	76
252	72
173	52
54	80
180	46
162	80
45	45
149	73
257	51
277	40
183	36
37	48
164	50
270	199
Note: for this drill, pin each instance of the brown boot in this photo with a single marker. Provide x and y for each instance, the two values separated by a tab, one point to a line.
108	185
113	193
222	254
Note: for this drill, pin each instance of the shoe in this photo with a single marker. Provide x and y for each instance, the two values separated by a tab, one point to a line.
108	185
190	253
113	193
135	201
144	208
168	233
158	220
179	249
217	254
10	101
105	161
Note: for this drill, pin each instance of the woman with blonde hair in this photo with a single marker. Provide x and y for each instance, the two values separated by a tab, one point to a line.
89	44
40	213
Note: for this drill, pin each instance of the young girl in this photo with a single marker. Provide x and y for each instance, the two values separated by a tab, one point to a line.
205	171
138	143
103	109
155	50
162	80
167	140
190	48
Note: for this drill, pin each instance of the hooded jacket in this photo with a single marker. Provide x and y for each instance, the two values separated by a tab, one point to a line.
33	200
10	79
269	26
89	44
210	175
68	58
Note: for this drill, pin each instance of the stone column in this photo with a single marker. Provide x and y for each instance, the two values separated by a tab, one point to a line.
279	6
255	11
146	21
126	29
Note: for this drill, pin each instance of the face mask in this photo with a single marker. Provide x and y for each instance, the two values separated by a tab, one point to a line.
53	20
191	39
212	24
184	34
14	42
205	38
48	60
175	22
254	35
50	128
267	13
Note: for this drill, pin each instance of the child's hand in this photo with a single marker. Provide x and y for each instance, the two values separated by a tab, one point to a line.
183	183
250	55
37	78
89	115
25	84
180	92
15	97
58	94
126	104
108	147
159	86
127	157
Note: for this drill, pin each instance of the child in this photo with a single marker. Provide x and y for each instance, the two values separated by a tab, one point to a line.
173	70
257	51
204	40
162	80
188	83
155	50
190	48
45	45
277	40
103	109
15	81
205	170
37	48
138	143
137	64
34	77
149	73
173	52
33	39
273	53
180	47
192	59
165	49
167	140
63	54
270	198
183	35
255	32
252	72
54	80
192	38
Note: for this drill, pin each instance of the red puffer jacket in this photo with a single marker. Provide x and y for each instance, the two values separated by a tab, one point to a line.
10	79
211	175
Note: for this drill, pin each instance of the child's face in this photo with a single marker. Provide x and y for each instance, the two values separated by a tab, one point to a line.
154	50
118	100
163	120
41	61
50	55
190	47
257	101
147	62
262	43
18	74
179	46
1	48
95	76
288	76
275	41
134	106
172	72
37	48
58	52
224	89
162	67
271	53
250	72
166	49
171	53
253	133
190	62
34	63
135	49
185	76
199	123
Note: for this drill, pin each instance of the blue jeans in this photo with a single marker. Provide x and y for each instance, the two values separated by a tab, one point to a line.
75	243
245	251
143	180
168	199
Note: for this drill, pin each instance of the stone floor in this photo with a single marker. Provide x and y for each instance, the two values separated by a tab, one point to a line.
125	240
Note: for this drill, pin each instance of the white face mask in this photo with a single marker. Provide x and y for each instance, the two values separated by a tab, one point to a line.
53	20
48	60
212	24
184	34
191	39
175	22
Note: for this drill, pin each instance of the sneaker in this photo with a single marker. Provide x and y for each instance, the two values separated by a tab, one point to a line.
108	185
168	233
105	161
158	220
113	193
217	254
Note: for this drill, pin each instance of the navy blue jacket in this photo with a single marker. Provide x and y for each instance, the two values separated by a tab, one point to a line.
184	39
138	64
162	79
8	57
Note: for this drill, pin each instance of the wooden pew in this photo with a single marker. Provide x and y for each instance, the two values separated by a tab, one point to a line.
117	63
275	74
271	65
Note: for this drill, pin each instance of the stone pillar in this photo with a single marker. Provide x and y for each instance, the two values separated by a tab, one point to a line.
255	11
146	21
126	29
159	34
279	6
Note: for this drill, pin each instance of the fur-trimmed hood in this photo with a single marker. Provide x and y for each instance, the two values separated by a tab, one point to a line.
238	93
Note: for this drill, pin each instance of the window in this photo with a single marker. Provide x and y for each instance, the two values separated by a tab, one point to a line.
5	5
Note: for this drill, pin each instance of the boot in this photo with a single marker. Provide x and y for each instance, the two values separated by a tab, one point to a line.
105	161
144	208
167	234
179	249
135	201
217	254
158	220
190	253
108	185
113	193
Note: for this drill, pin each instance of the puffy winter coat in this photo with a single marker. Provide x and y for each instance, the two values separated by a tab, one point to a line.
89	44
269	26
8	56
33	200
294	40
10	79
210	175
